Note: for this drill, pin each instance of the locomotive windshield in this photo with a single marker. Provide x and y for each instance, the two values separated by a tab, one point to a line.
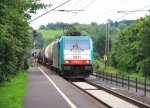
77	44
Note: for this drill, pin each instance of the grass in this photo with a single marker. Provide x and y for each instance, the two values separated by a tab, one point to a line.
30	63
47	34
109	69
12	93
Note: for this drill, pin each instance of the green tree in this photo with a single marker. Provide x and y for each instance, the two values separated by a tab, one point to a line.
144	64
38	41
15	39
132	52
42	27
122	26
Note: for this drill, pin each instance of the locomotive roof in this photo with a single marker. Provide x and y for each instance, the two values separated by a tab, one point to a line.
76	37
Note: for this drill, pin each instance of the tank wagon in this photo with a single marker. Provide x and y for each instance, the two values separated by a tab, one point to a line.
71	56
41	57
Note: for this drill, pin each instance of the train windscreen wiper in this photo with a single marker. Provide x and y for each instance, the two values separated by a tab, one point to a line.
78	47
72	47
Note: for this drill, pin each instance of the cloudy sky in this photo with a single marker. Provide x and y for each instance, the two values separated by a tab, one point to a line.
93	11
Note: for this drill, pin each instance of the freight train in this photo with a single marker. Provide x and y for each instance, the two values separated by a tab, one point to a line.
69	56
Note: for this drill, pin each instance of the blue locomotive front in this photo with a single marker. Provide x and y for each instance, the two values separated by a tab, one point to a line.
73	55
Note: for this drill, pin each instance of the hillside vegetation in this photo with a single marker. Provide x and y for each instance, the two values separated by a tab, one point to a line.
47	34
50	35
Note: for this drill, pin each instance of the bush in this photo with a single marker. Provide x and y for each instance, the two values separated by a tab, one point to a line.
26	65
96	65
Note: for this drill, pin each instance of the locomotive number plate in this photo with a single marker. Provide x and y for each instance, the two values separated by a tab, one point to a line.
76	57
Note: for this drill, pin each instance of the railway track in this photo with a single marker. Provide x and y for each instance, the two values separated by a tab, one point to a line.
99	93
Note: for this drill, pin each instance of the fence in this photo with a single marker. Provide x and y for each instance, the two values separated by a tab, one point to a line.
125	81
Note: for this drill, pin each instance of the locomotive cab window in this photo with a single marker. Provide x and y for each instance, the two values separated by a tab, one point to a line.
77	44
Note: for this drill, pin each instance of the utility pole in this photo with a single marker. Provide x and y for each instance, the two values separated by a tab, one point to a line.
106	56
108	41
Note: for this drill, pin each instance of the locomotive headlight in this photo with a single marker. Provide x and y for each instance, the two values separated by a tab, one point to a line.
87	61
66	61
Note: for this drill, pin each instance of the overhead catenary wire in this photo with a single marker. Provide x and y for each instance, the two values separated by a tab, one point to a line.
72	7
82	9
132	11
88	4
49	11
76	4
111	9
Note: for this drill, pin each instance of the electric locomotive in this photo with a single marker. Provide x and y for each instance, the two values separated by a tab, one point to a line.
71	56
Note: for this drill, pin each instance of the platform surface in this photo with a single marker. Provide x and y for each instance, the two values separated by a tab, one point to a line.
48	90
